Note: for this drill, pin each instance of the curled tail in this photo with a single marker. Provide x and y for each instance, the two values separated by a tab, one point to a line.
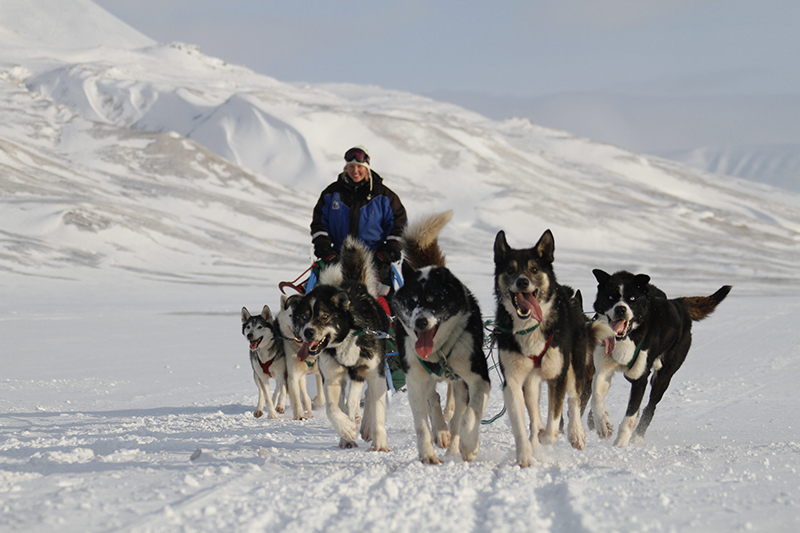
420	241
357	263
700	307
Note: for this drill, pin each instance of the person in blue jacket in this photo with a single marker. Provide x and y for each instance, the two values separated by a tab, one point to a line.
358	203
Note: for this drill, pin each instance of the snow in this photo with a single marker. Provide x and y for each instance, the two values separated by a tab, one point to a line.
149	192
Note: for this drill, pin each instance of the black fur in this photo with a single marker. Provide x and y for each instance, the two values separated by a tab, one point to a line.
660	327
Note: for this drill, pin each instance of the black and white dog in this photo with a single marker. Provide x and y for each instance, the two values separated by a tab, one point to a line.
296	370
440	338
341	322
267	359
645	331
542	335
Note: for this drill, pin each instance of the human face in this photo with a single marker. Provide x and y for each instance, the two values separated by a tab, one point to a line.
356	172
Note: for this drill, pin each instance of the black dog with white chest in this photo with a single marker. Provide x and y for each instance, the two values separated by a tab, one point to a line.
645	331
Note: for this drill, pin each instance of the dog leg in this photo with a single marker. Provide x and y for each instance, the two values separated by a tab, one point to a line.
279	398
418	385
658	386
515	406
334	388
556	389
354	401
271	411
440	431
461	397
302	383
575	433
319	399
261	395
376	400
294	388
366	419
471	421
450	403
532	392
600	385
632	413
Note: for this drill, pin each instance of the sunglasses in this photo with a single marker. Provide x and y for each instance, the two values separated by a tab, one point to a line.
357	155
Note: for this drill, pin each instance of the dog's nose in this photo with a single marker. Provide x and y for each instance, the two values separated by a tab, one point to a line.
620	312
308	334
421	324
522	284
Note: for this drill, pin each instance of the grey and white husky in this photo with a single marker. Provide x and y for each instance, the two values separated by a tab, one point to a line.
267	359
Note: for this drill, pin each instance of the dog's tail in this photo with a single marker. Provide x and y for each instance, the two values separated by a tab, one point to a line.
357	263
700	307
420	241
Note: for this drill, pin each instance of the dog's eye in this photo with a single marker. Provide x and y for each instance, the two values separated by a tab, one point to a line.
631	298
304	317
510	270
534	270
324	316
611	297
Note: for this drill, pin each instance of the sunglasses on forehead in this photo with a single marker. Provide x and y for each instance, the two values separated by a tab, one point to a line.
357	155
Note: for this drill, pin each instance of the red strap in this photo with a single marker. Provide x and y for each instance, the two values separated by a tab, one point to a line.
265	366
537	359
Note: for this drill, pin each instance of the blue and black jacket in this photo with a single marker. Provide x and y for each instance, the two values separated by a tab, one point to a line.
367	209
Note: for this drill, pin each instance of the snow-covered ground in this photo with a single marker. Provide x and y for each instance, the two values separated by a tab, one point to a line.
149	192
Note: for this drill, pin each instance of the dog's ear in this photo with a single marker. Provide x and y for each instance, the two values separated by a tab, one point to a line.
342	300
500	246
578	299
266	314
641	281
407	270
546	246
289	301
245	315
601	276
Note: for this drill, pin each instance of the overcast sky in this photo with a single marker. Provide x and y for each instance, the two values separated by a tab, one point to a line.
525	48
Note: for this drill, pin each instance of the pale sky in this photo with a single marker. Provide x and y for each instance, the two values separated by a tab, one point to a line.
525	48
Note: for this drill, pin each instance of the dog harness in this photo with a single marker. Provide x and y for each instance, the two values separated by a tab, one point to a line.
537	359
265	366
440	368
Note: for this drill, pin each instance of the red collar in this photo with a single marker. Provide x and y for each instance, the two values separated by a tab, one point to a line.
537	359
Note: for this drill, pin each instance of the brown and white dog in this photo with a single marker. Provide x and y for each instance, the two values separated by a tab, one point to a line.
542	335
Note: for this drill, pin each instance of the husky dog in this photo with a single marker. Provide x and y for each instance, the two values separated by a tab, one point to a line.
341	322
441	338
296	370
267	359
542	335
644	331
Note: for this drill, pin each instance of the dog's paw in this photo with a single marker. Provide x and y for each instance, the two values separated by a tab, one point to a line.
431	460
548	438
525	462
281	410
300	417
577	440
380	448
272	415
604	428
319	402
366	434
443	439
258	414
347	444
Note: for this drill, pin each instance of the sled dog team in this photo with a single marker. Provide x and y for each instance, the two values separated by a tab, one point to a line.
337	331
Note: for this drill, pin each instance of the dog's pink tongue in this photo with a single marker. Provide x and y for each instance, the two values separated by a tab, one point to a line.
620	326
611	344
253	345
424	344
303	354
529	302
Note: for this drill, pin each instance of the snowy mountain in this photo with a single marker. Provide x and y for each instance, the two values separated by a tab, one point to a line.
148	192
